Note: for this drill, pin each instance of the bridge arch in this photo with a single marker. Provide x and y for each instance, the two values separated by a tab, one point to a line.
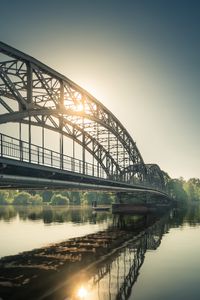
49	99
32	93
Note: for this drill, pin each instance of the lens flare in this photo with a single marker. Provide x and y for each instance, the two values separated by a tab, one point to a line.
82	293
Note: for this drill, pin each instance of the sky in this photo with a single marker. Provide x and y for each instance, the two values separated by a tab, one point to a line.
139	58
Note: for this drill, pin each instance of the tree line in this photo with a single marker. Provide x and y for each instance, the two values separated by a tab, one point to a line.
179	189
183	190
32	197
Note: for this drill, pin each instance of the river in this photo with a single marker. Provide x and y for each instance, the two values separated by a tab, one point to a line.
24	228
162	263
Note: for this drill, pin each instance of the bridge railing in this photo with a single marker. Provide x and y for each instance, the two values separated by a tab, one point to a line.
23	151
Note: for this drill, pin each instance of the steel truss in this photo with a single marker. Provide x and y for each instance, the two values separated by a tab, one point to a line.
32	93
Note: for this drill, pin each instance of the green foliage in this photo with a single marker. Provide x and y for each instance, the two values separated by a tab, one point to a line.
75	198
192	188
84	198
36	200
58	199
184	191
46	195
22	198
176	190
4	197
91	196
105	198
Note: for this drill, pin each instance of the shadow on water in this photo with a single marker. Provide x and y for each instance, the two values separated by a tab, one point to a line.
112	274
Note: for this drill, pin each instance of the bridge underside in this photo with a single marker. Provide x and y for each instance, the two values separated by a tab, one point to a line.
22	175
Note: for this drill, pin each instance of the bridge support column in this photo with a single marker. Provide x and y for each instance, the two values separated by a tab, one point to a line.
1	144
43	141
61	143
83	147
29	139
73	152
20	142
83	154
29	100
61	150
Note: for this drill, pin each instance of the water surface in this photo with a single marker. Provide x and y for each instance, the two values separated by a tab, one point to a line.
25	228
162	263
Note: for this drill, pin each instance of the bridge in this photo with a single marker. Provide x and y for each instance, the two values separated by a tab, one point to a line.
92	149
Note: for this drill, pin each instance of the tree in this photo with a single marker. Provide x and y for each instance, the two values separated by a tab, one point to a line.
22	198
75	198
84	198
192	188
36	200
4	197
176	191
58	199
105	198
46	195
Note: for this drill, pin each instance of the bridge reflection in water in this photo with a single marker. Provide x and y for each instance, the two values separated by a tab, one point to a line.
103	265
113	277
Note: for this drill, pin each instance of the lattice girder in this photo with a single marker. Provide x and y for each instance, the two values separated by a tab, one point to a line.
155	176
41	91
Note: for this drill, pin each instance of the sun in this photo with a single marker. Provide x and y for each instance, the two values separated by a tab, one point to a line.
79	107
82	293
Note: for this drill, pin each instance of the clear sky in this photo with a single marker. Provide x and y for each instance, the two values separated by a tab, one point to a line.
141	59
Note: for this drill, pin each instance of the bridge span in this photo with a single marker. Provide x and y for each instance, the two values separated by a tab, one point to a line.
91	148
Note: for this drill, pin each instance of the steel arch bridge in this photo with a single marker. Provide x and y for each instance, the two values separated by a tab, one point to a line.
34	95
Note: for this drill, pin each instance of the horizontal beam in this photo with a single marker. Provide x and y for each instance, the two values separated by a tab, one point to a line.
13	181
